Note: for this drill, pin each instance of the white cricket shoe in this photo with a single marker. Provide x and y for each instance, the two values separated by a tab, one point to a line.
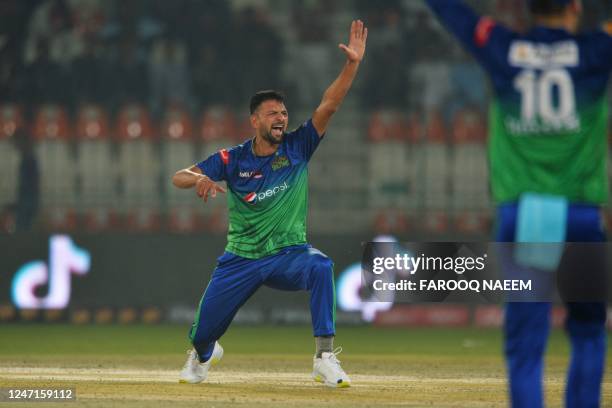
193	371
327	370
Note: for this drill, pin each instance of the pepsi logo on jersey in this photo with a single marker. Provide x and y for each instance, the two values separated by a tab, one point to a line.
254	197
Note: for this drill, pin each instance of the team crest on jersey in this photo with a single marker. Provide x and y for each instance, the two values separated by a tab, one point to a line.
279	162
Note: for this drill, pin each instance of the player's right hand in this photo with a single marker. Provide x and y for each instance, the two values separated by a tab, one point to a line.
357	42
205	186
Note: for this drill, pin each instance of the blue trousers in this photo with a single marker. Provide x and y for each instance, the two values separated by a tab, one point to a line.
526	326
235	279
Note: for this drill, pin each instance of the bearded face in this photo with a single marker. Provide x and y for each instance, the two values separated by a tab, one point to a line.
271	120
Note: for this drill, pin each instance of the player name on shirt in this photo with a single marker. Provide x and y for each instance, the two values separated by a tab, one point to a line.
527	54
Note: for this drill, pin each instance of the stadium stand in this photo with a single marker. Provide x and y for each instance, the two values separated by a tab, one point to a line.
177	150
96	169
390	162
469	171
139	168
53	135
10	120
434	184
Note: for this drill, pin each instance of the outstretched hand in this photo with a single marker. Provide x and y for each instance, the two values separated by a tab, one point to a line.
357	42
205	186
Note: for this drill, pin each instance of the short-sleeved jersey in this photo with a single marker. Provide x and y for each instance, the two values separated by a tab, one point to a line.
267	196
548	119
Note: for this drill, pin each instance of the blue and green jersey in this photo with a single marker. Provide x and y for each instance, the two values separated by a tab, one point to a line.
548	120
267	196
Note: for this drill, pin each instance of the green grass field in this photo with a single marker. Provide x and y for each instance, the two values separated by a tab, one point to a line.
137	366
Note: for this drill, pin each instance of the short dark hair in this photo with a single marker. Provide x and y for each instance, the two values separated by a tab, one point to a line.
547	7
262	96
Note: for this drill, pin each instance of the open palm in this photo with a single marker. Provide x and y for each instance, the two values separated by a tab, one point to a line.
357	42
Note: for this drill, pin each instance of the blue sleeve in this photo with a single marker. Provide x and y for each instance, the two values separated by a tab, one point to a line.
482	36
598	52
215	165
304	140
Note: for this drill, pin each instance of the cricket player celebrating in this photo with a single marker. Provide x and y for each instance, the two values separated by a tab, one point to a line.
267	180
547	150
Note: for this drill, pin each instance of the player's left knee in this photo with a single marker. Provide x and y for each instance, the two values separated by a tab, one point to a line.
322	268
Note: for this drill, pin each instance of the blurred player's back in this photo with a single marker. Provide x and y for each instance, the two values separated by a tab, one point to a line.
549	116
548	119
547	151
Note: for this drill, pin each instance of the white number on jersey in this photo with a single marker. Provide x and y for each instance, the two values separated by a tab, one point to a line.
537	95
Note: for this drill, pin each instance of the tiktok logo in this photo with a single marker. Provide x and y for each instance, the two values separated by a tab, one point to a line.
65	258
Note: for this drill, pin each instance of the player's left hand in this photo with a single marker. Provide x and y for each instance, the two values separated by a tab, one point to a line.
357	42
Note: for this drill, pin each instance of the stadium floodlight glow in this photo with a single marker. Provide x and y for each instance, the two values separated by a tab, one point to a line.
65	258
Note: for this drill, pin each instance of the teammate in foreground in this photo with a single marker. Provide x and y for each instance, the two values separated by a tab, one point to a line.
547	148
267	181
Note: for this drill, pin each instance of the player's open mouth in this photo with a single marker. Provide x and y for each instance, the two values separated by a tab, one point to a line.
277	130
